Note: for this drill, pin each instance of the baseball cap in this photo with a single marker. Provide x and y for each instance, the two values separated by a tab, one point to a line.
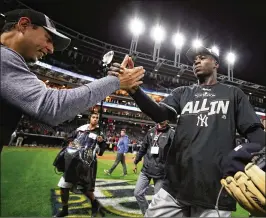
60	41
193	52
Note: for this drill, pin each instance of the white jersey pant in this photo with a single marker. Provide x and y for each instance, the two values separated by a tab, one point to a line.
164	205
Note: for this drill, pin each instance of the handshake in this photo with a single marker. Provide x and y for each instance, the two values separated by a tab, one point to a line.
128	75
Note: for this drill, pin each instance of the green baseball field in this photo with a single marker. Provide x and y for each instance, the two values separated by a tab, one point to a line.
29	186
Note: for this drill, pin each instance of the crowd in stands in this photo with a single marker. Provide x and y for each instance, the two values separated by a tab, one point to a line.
33	132
32	126
29	125
126	114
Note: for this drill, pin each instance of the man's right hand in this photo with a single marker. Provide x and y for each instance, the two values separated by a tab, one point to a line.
129	78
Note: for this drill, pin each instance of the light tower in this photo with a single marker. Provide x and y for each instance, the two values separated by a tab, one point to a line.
158	35
137	28
230	58
178	40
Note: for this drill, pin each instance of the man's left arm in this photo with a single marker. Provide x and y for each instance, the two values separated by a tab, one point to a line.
247	121
249	126
256	135
243	174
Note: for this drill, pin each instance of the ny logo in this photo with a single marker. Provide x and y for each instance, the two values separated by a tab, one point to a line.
202	120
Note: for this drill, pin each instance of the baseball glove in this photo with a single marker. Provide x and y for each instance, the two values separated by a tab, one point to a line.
248	187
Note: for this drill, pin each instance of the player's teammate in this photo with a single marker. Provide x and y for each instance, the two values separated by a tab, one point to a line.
210	114
78	175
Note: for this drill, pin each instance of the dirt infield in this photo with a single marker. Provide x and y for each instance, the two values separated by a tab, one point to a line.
112	156
107	157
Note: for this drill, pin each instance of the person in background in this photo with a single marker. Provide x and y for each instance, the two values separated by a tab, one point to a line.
154	149
122	149
90	138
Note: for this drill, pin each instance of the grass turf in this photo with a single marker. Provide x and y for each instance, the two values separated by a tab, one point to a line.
28	177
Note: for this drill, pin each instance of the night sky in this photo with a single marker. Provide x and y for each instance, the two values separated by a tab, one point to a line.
231	25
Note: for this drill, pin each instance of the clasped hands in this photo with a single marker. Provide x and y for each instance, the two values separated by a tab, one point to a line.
128	75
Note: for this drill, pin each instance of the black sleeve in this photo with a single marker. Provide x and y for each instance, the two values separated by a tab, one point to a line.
172	135
246	117
101	134
256	135
165	152
143	149
172	101
165	110
102	145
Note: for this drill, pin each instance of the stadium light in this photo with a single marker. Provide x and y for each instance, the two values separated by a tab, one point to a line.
231	58
215	50
136	26
178	40
158	34
197	43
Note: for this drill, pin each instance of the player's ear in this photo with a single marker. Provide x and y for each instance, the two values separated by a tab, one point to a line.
23	23
216	65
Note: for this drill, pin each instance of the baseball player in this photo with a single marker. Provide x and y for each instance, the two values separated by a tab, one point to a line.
27	36
88	137
154	149
210	114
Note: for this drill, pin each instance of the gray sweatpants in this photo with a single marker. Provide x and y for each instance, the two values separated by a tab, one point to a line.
141	189
164	205
120	157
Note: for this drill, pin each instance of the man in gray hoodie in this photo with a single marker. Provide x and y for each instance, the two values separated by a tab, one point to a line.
28	36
